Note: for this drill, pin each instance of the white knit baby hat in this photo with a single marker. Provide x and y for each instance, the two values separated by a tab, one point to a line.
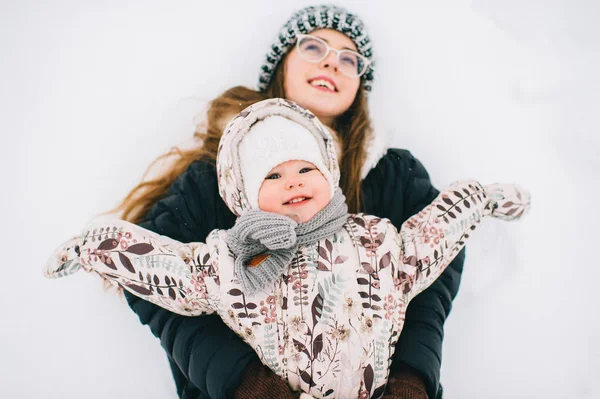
263	136
272	141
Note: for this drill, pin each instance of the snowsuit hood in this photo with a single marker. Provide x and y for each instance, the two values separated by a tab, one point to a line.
232	187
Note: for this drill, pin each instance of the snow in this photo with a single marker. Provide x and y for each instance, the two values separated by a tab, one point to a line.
92	92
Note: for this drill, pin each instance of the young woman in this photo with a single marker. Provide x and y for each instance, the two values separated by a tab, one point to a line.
322	61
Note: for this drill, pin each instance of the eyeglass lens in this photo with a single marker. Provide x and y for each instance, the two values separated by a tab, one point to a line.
315	50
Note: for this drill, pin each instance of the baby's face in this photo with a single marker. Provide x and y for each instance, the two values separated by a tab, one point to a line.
294	187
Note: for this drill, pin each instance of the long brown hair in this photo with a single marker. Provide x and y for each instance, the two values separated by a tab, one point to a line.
353	129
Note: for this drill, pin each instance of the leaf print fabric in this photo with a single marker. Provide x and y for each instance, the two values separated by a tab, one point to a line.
329	325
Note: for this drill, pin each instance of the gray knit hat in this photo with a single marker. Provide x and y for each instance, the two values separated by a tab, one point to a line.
312	18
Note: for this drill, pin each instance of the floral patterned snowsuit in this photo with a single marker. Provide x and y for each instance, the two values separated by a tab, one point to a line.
329	324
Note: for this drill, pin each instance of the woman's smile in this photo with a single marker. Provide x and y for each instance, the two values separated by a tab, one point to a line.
323	83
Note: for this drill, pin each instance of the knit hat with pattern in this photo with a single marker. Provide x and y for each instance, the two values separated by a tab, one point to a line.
312	18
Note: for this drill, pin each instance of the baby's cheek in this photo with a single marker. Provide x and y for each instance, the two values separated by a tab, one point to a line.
266	196
268	206
323	201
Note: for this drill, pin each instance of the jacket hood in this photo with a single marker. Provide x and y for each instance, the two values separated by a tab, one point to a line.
231	182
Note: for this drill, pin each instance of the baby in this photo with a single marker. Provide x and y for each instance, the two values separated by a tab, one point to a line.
319	294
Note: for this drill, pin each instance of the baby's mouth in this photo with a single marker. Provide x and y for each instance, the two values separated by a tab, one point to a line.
297	200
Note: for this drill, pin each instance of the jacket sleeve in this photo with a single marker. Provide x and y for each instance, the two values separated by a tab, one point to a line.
397	188
206	357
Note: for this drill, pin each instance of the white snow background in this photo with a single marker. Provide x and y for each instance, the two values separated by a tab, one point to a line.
92	91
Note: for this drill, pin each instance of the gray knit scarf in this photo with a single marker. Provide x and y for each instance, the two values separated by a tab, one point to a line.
278	237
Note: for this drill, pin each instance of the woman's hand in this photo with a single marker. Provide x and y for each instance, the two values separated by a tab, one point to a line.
260	382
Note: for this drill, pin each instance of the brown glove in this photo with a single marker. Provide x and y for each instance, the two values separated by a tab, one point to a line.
260	382
404	383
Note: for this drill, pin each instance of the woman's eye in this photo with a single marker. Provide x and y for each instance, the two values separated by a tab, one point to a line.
273	176
349	59
312	46
306	170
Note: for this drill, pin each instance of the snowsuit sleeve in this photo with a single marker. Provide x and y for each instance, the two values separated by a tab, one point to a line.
182	278
432	238
396	188
207	358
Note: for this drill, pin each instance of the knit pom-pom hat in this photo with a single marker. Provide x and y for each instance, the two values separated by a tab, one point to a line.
263	136
312	18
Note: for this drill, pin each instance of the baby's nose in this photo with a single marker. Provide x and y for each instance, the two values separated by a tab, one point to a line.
294	182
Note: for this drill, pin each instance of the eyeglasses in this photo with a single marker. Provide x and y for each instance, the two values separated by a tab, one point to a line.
314	49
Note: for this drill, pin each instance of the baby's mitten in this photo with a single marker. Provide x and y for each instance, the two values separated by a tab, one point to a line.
65	259
508	201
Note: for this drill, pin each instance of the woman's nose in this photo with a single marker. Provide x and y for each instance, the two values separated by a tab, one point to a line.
331	61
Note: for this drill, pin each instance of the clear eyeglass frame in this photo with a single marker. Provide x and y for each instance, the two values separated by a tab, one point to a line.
365	61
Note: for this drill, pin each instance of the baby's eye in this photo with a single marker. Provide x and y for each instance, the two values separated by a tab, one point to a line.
306	170
273	176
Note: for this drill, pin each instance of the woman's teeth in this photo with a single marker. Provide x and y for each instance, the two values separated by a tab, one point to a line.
323	83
